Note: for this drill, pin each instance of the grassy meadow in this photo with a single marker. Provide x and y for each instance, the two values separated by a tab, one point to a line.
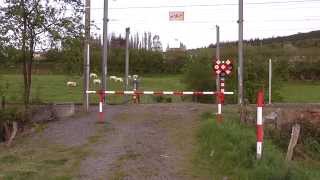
53	89
301	92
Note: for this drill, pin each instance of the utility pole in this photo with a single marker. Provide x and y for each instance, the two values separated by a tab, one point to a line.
104	62
127	60
240	54
86	69
218	57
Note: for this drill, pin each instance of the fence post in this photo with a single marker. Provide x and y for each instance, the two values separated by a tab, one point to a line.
293	141
260	104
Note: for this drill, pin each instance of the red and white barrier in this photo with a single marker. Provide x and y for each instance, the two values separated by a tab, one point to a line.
101	100
159	93
102	94
260	104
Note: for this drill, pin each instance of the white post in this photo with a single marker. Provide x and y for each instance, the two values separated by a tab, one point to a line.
270	80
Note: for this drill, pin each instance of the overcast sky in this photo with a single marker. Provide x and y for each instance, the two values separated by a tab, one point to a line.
262	18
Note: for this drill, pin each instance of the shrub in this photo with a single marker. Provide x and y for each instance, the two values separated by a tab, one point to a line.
199	75
11	114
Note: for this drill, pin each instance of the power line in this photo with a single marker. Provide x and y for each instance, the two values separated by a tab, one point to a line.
119	21
209	5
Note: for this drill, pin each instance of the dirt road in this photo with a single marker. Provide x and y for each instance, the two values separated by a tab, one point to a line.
138	142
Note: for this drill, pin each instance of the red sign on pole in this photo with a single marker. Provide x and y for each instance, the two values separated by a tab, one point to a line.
223	68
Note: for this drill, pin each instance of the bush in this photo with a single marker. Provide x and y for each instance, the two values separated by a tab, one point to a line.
199	75
11	114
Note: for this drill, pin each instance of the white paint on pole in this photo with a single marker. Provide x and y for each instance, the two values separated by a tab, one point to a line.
259	115
219	109
148	92
259	149
209	93
187	93
100	107
168	92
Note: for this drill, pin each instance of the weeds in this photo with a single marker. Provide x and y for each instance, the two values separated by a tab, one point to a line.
228	150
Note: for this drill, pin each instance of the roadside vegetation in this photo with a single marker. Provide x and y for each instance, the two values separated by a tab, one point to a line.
228	150
34	157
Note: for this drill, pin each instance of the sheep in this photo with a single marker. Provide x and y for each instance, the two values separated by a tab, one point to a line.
96	81
135	76
119	79
71	84
112	77
93	75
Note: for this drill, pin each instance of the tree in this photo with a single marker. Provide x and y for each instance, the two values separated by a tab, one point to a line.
27	24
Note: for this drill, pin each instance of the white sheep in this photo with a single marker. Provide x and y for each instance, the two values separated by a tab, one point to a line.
93	75
119	79
71	84
96	81
113	77
135	76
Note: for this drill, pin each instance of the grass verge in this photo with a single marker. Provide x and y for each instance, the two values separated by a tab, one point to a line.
38	159
228	150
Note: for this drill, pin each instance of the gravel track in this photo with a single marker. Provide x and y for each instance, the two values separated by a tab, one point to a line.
151	141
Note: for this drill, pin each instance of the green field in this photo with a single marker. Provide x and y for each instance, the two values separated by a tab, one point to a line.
301	92
53	89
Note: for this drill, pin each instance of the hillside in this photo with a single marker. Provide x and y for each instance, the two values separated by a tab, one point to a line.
308	39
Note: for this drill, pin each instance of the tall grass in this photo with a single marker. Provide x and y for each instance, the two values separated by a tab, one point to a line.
228	150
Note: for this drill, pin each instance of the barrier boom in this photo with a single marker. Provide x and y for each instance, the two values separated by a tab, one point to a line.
174	93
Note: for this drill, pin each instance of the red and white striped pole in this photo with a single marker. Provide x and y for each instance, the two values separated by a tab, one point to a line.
222	84
219	102
220	99
260	104
101	94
